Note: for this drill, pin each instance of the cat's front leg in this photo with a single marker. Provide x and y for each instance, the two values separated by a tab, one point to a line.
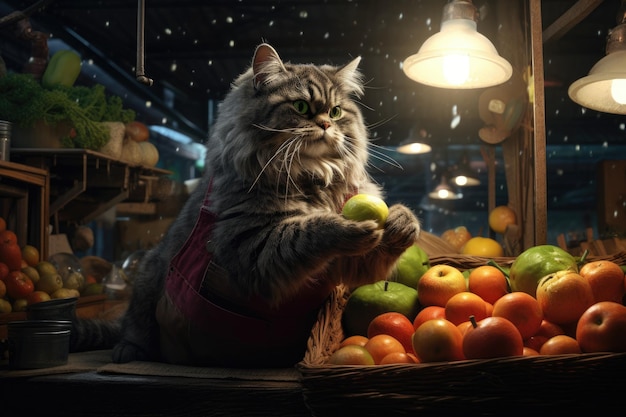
401	230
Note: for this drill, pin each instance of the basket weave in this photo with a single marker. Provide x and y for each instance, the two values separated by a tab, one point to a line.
529	385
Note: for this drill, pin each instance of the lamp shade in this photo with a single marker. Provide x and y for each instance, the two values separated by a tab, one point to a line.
414	148
458	56
444	192
462	173
604	89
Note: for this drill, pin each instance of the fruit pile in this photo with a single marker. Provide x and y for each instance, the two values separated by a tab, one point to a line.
26	279
546	303
460	239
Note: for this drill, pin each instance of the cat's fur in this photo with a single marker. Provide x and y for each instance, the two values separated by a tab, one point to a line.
289	147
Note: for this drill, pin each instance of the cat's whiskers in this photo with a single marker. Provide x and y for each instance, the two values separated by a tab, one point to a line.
292	152
269	161
382	156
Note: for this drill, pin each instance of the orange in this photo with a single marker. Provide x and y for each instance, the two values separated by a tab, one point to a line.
528	351
463	327
488	282
521	309
3	289
393	324
457	237
564	296
461	306
11	254
438	340
427	313
351	355
4	271
8	236
606	279
500	217
489	309
381	345
30	255
397	357
483	246
545	332
559	345
354	340
3	224
413	357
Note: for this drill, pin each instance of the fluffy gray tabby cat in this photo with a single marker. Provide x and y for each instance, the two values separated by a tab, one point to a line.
261	242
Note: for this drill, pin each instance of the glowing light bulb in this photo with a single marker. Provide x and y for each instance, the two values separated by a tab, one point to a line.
456	68
618	90
461	180
443	194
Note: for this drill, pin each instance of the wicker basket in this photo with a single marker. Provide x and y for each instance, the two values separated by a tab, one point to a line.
528	386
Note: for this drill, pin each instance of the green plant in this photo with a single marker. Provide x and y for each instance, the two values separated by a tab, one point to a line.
24	101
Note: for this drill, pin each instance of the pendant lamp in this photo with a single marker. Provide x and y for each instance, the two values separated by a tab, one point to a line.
462	173
444	192
604	89
415	144
458	56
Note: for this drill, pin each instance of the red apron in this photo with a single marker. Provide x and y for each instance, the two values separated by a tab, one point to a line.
203	321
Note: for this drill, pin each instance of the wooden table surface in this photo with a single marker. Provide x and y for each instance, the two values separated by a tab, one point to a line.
98	392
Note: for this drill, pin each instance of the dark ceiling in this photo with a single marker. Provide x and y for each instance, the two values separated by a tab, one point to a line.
194	48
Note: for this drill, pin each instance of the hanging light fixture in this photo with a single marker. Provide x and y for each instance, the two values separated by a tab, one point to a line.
414	144
604	89
462	174
443	191
458	56
413	148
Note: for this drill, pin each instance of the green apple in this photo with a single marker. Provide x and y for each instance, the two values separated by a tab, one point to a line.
411	266
537	262
370	300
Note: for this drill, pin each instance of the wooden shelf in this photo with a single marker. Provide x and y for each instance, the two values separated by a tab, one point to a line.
84	183
24	198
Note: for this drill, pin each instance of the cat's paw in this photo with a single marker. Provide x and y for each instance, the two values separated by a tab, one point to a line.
402	228
359	237
126	351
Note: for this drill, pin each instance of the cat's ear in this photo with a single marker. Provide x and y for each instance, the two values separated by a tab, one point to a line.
350	77
266	65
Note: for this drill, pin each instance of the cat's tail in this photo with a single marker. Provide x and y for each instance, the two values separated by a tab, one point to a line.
94	334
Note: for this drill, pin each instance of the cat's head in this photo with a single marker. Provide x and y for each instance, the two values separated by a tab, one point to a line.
286	124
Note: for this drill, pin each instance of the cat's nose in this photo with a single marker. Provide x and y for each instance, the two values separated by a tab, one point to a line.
324	124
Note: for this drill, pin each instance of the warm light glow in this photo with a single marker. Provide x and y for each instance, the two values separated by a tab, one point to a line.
444	192
456	68
458	56
461	180
414	148
604	88
618	90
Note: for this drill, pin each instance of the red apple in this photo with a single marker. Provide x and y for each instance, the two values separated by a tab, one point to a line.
18	285
492	337
606	279
602	328
37	297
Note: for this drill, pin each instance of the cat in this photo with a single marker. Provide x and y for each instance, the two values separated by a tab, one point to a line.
260	244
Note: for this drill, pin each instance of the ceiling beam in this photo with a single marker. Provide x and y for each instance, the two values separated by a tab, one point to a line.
569	19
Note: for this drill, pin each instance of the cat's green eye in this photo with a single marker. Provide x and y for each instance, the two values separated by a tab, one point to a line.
301	106
335	113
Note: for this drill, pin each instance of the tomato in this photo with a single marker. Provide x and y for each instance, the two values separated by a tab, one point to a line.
19	285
